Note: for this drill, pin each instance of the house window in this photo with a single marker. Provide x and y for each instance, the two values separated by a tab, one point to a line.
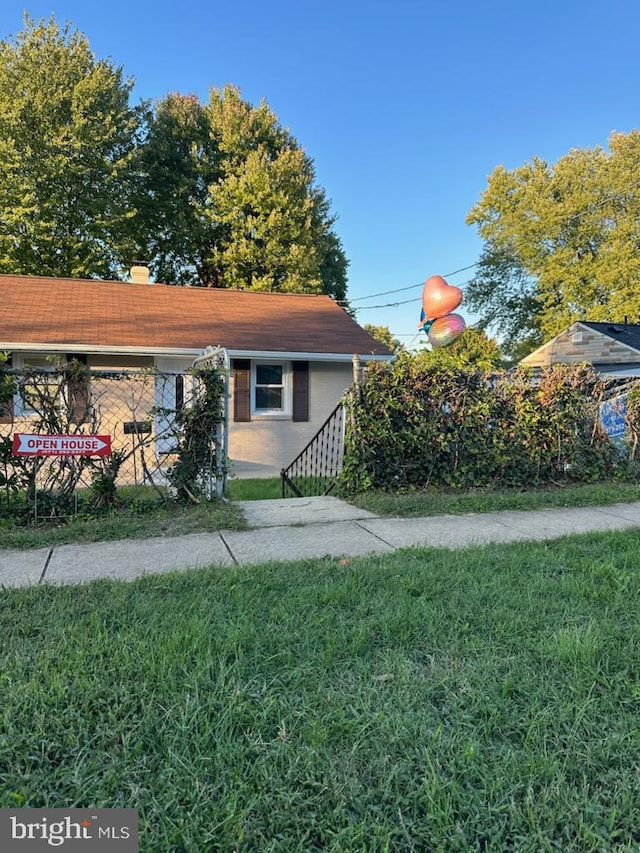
172	394
34	389
179	393
79	392
269	388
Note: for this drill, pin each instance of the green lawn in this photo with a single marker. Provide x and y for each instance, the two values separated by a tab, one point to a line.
439	501
480	700
139	518
254	489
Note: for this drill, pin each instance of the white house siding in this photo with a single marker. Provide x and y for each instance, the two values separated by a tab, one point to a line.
265	445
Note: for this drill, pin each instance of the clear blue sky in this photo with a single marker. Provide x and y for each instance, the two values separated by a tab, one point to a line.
405	106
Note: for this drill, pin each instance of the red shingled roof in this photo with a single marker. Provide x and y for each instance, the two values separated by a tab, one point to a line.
57	312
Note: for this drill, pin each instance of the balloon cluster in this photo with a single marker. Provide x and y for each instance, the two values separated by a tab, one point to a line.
439	299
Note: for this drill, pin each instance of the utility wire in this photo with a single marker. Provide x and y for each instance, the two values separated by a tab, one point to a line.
568	218
403	302
411	286
386	305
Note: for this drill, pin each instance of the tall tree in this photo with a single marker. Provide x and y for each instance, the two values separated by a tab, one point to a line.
216	194
67	137
269	216
177	164
238	200
561	242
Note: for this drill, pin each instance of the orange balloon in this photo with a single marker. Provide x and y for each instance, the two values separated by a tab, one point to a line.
439	298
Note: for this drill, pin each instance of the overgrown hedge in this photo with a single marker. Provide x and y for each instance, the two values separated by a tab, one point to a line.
414	426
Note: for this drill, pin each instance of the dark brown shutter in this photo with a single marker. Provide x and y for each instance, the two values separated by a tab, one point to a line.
6	408
241	390
300	390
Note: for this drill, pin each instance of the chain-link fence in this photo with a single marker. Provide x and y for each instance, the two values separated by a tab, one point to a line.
143	413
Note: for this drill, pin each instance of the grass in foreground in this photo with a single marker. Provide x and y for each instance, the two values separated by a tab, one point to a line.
482	700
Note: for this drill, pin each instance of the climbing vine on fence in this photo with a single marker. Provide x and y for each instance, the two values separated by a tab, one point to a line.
632	419
192	474
414	426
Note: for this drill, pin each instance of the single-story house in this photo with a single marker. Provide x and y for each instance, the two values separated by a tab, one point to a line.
612	348
290	354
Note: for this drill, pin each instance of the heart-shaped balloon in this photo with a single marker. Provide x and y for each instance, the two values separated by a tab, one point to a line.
439	298
445	330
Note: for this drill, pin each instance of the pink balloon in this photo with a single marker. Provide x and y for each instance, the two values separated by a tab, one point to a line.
439	298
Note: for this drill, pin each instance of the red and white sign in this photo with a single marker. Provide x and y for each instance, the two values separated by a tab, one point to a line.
26	444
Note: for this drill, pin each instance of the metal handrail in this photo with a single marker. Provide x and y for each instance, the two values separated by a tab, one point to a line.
315	469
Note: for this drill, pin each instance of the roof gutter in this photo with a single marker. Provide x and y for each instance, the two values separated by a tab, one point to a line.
102	350
339	357
189	352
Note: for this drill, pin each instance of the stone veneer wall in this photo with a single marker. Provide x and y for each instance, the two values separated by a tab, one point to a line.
580	343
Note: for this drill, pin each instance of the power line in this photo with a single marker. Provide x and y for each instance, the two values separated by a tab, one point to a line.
569	217
462	269
385	292
403	302
386	305
411	286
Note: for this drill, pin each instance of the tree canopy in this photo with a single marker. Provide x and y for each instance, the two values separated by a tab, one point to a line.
474	349
230	200
212	194
560	243
175	167
67	138
385	336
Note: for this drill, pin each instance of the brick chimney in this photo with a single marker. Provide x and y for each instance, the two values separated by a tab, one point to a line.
140	273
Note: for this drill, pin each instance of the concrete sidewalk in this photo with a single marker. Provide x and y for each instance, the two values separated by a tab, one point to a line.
299	528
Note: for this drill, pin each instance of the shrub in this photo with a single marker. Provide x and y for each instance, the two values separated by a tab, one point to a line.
411	425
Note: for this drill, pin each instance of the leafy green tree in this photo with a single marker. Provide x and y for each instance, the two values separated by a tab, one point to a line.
473	349
177	164
231	200
67	137
215	194
503	297
279	230
560	242
268	214
385	336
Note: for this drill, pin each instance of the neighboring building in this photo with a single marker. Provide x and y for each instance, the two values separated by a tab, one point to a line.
291	354
612	348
